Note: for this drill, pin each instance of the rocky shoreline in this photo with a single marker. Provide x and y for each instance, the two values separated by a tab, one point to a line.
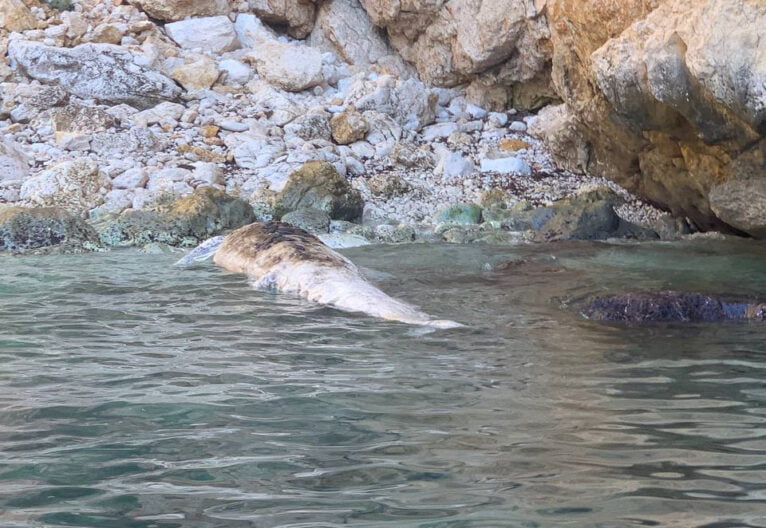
168	121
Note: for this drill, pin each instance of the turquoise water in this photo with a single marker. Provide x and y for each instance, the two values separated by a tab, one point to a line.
137	395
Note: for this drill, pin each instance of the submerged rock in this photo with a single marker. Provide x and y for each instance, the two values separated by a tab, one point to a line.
318	185
671	307
44	229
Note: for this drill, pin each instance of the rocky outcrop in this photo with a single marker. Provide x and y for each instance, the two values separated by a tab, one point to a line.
292	67
169	10
105	72
15	16
495	43
666	98
44	229
296	15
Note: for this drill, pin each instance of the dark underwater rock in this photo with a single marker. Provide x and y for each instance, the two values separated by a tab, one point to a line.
671	307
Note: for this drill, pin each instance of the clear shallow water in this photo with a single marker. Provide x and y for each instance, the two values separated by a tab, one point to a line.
137	395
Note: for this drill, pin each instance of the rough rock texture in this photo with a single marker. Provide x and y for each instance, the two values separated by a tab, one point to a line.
180	9
348	127
297	15
33	229
100	71
589	216
318	185
742	204
15	16
214	34
506	41
344	27
667	307
74	185
292	67
666	98
185	222
13	162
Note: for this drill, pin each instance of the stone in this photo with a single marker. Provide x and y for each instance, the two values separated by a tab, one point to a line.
75	185
108	33
256	152
185	222
318	185
453	165
213	34
235	72
343	27
291	67
513	144
464	213
79	118
312	220
310	126
251	31
282	108
199	72
439	131
506	166
15	16
665	98
94	71
348	127
166	112
588	216
131	179
297	15
24	102
169	10
669	307
13	163
458	41
409	103
742	204
44	229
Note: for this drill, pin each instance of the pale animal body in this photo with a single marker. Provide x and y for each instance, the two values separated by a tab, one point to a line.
280	256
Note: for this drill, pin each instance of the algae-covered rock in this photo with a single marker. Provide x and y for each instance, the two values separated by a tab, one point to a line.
312	220
185	222
43	230
464	213
588	216
318	185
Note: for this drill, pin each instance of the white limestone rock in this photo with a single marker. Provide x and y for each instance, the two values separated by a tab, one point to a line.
213	34
76	185
506	166
291	67
13	163
105	72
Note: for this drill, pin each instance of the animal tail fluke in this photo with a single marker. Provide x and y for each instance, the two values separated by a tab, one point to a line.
443	324
201	253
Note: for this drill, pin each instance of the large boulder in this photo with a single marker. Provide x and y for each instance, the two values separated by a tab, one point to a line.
15	16
671	307
587	216
179	9
503	42
344	27
214	34
318	185
44	229
184	222
75	185
290	66
13	162
666	98
105	72
297	15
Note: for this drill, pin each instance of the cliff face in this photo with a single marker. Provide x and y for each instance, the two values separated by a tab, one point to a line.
668	99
